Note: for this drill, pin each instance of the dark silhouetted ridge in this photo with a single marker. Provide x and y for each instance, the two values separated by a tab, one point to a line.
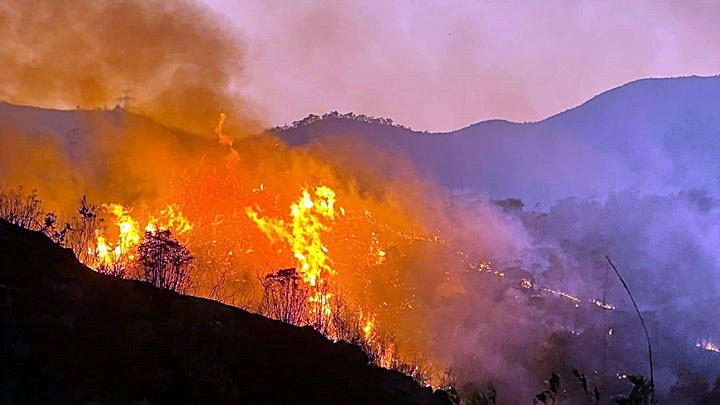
655	135
70	335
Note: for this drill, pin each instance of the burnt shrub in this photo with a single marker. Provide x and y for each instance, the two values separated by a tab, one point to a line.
164	262
285	297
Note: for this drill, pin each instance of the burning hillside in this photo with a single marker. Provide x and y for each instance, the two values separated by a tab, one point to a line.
448	285
423	279
346	247
370	257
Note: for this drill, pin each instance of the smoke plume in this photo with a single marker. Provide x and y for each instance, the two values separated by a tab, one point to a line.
178	60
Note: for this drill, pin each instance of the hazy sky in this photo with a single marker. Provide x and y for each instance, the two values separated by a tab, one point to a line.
442	65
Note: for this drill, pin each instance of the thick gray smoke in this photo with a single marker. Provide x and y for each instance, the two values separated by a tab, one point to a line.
665	246
180	61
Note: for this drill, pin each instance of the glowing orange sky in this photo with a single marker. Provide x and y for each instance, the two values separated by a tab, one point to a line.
436	66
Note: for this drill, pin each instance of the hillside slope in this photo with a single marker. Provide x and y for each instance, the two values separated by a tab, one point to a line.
657	135
70	153
72	335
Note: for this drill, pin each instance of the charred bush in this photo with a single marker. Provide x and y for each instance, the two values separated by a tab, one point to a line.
285	297
164	262
22	209
82	229
56	233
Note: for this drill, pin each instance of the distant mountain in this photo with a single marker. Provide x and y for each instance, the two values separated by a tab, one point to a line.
656	135
71	335
77	126
102	152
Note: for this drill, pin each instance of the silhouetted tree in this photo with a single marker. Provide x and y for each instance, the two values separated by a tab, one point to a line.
164	262
285	297
510	204
21	209
82	229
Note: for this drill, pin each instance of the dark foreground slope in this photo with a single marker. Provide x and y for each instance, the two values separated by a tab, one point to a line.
72	335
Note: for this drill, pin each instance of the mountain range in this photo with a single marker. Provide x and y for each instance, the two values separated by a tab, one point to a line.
654	135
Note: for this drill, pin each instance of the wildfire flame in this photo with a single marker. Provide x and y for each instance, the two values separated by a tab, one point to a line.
368	328
170	218
224	139
233	226
304	236
108	254
129	234
304	233
708	345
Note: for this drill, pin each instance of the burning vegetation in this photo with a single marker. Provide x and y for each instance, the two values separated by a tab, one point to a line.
168	249
296	256
453	289
279	232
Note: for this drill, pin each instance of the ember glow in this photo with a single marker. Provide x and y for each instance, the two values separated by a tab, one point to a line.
603	305
565	295
708	345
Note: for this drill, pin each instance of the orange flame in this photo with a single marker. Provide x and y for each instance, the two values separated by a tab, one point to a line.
708	345
224	139
107	254
304	233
